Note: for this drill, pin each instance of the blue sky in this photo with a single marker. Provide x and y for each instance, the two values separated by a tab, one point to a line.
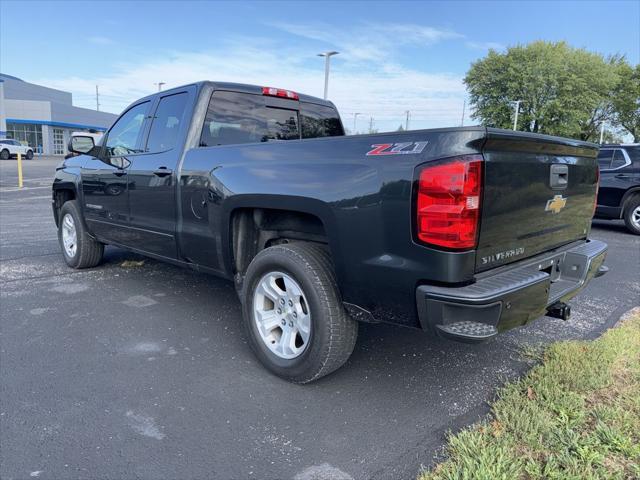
394	56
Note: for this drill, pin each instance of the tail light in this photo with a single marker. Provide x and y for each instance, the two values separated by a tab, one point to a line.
279	92
448	203
595	200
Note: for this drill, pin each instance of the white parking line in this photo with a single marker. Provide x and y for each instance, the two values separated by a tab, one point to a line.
23	189
24	199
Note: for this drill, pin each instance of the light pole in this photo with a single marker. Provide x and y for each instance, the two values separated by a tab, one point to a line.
327	61
515	119
601	132
160	85
355	117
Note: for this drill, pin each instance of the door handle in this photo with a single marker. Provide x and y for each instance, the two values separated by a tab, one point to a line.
119	173
622	175
163	172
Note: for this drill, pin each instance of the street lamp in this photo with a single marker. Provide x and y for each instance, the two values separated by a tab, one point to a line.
160	85
355	117
327	60
516	105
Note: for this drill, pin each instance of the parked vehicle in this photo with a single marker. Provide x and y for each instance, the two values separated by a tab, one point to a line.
10	148
462	232
619	193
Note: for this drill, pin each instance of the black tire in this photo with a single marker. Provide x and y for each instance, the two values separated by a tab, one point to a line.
29	154
88	252
333	331
4	154
631	207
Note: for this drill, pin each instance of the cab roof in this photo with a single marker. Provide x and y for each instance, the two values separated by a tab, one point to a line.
242	88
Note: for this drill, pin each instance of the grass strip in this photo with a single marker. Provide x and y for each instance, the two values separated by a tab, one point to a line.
576	415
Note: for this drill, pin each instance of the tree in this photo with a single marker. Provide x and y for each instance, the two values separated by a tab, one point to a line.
626	99
562	90
400	128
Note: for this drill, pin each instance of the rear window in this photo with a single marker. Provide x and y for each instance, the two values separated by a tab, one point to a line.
234	118
319	121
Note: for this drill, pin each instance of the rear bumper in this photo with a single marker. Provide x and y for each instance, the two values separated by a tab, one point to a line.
506	298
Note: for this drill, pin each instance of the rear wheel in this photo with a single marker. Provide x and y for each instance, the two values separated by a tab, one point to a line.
4	154
78	248
293	313
631	214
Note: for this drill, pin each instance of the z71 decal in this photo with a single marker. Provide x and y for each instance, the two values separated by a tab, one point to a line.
402	148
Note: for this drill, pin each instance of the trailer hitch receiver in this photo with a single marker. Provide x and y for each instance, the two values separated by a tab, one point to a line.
559	310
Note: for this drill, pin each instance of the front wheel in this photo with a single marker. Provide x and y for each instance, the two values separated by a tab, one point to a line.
632	214
29	154
78	248
293	313
4	154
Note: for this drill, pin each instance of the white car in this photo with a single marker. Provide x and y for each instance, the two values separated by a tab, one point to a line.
11	148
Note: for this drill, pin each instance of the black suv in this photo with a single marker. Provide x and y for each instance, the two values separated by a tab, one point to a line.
619	195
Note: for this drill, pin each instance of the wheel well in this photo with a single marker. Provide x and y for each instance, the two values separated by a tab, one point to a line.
59	198
254	229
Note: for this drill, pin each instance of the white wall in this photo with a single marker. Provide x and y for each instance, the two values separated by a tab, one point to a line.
27	109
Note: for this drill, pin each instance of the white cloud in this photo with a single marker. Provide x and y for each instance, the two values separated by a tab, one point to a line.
485	45
369	83
369	41
101	40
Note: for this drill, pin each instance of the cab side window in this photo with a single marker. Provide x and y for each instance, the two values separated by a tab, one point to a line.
619	160
167	122
124	136
604	159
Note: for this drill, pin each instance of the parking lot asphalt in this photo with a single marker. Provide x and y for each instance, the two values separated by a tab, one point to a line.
143	372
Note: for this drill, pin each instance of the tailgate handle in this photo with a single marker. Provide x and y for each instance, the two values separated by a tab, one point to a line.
559	177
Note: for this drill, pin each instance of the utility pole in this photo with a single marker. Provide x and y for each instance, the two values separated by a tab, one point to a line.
97	99
515	120
464	107
355	117
370	124
327	61
601	132
406	125
160	85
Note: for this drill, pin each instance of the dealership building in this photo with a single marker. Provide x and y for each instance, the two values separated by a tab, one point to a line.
44	117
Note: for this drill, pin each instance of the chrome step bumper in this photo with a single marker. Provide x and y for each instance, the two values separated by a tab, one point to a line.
511	297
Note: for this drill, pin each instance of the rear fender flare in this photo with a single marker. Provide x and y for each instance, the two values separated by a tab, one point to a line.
290	203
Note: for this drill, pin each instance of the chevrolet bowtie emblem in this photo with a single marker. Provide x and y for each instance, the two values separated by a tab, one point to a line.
556	204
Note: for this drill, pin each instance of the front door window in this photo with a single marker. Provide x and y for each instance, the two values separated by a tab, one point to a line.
124	136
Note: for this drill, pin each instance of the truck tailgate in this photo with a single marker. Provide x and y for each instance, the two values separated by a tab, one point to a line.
539	193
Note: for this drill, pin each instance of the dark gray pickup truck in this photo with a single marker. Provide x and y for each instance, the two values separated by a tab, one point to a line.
461	232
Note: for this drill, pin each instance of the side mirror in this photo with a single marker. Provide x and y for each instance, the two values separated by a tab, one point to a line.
81	144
